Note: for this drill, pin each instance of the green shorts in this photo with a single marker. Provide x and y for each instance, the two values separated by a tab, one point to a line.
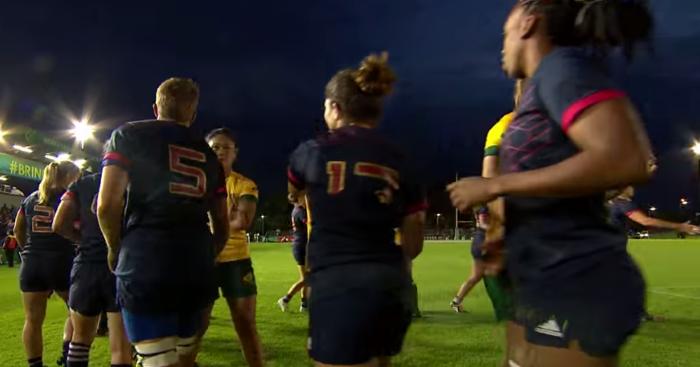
236	279
500	292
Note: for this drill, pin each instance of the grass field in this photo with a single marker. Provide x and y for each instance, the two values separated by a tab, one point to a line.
441	338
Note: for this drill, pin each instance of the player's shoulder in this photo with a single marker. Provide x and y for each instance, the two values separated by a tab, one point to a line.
240	179
568	64
135	127
31	199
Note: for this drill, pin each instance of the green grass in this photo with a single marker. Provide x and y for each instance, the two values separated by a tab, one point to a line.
441	338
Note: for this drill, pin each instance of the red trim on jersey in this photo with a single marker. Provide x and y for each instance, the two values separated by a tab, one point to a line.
632	212
576	108
293	179
417	207
115	156
68	195
221	191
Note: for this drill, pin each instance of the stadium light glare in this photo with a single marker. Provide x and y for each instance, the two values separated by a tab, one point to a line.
3	178
80	162
696	148
50	157
23	149
653	209
63	157
82	132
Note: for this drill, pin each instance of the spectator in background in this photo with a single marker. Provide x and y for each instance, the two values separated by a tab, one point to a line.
10	245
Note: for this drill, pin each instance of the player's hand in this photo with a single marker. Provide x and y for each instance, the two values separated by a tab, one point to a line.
112	257
469	192
690	229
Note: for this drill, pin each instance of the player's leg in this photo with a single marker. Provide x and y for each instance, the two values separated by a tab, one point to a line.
119	345
67	327
154	337
243	314
84	329
240	291
188	342
300	285
477	273
34	314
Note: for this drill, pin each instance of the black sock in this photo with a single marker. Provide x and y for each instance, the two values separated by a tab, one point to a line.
287	298
35	362
78	355
66	348
121	365
303	302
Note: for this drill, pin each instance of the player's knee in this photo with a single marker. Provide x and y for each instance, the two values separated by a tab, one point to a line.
158	353
187	346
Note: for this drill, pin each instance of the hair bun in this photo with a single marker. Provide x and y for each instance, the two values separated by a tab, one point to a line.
375	76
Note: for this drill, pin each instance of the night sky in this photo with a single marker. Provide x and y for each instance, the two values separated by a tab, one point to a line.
262	67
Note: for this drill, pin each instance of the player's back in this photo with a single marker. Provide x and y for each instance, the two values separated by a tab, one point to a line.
92	247
354	210
173	174
41	238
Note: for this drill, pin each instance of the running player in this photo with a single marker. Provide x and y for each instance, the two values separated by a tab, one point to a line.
299	242
93	286
477	273
234	268
578	294
623	210
47	258
489	227
159	231
359	190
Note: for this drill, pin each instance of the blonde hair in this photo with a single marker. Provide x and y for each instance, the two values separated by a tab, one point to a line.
177	99
53	174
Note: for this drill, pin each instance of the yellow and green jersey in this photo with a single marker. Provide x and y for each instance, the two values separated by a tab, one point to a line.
495	135
238	187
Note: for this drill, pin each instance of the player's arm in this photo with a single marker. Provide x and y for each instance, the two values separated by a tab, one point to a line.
66	215
110	204
489	166
20	229
218	215
603	133
412	229
243	213
639	217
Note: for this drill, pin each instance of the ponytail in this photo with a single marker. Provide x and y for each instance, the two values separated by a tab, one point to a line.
54	172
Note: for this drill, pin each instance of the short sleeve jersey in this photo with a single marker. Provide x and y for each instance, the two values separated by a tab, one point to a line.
299	230
495	135
554	237
41	238
354	208
620	210
238	187
173	174
173	178
83	194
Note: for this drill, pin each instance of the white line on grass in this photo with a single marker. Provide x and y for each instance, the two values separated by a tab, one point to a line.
675	295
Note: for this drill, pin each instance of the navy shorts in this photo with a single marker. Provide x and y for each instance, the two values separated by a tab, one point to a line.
93	289
352	321
477	244
299	252
600	308
140	327
45	272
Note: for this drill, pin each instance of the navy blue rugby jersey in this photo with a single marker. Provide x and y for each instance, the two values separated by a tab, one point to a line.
354	210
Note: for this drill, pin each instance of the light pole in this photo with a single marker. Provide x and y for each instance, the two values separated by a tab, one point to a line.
696	152
262	217
437	222
652	210
82	132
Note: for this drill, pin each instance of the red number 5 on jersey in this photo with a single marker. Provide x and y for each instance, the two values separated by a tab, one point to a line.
177	155
42	219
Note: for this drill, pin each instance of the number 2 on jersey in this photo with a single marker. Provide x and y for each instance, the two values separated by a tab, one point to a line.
176	156
42	219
